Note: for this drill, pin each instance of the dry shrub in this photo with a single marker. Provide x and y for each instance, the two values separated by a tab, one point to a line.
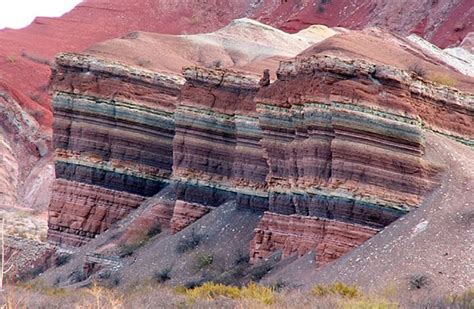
102	298
443	79
418	281
190	242
11	58
418	69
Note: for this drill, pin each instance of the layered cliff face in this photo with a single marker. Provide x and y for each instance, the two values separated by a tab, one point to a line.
344	140
333	150
113	140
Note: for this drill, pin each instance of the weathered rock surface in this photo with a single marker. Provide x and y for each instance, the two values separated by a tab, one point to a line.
185	214
120	128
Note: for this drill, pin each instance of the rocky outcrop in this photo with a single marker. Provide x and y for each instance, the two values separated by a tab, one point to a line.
297	235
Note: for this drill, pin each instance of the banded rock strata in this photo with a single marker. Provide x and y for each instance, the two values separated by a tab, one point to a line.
113	132
333	150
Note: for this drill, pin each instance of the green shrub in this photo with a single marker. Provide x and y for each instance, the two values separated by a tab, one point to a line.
204	260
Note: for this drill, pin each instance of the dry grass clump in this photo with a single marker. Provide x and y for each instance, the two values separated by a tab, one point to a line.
443	79
367	303
338	289
212	291
350	297
464	300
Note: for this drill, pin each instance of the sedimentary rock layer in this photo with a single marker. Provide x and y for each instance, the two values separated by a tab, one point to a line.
297	235
79	211
185	213
217	133
113	130
333	141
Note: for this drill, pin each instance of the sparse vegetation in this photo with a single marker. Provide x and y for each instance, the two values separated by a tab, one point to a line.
138	240
31	273
189	243
464	300
35	58
144	63
418	281
212	291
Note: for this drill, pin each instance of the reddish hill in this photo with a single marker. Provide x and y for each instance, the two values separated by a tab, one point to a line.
442	22
25	53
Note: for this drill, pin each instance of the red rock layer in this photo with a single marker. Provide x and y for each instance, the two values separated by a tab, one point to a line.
80	211
298	235
185	213
154	219
113	130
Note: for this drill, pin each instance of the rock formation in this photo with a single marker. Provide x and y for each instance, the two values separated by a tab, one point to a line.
333	150
123	148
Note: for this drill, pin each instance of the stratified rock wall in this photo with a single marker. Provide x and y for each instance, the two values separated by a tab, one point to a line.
333	150
113	132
